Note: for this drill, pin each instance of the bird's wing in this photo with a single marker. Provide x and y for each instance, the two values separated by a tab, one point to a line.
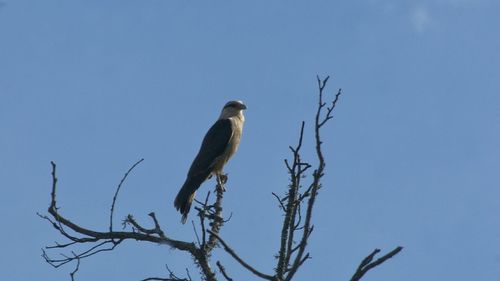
214	144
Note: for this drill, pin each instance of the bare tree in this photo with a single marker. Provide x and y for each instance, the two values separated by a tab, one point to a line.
297	205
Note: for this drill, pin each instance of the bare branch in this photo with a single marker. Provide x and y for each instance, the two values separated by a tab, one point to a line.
216	217
280	201
105	241
287	231
223	271
118	190
292	254
233	254
196	234
89	252
157	225
330	109
202	214
72	274
367	264
317	175
121	235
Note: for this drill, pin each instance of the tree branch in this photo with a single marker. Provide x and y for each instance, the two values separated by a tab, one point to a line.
287	232
118	190
291	257
216	217
223	271
72	274
113	238
367	264
233	254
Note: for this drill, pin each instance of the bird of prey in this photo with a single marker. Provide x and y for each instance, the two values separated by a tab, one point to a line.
219	144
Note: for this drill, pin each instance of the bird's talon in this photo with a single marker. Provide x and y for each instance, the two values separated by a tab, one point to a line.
223	178
220	187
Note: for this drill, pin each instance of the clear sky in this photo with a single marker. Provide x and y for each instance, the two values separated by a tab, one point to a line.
412	155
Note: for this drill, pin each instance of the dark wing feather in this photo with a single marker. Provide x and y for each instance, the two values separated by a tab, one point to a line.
213	146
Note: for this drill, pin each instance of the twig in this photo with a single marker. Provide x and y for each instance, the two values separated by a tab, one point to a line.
202	220
157	225
196	234
89	252
189	275
223	271
118	190
282	206
72	274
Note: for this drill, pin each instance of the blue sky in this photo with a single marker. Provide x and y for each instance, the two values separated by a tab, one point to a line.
412	154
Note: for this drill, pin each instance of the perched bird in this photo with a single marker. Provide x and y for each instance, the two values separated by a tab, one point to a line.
219	144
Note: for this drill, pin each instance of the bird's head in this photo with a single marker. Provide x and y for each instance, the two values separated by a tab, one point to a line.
232	109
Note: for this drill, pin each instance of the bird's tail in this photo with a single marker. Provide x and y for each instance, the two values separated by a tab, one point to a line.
185	197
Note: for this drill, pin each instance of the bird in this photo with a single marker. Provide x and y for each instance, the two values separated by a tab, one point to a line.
218	146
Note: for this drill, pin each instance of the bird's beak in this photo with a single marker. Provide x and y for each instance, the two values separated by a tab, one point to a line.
243	107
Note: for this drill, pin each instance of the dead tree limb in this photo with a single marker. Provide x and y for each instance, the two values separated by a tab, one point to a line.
101	241
233	254
367	264
299	201
117	191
